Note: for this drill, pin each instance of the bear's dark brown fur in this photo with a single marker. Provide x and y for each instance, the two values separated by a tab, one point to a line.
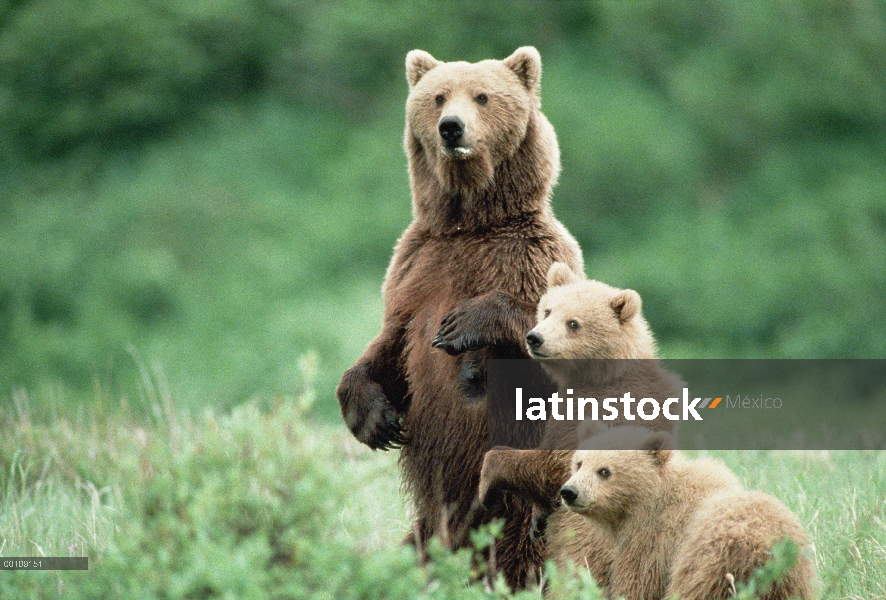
465	279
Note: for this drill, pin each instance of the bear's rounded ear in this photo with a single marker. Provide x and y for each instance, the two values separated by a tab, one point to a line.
418	62
561	274
659	445
626	304
526	63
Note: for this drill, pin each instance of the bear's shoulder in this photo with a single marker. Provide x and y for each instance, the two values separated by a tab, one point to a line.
693	480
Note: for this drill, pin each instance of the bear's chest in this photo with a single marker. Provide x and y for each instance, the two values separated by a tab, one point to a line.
442	271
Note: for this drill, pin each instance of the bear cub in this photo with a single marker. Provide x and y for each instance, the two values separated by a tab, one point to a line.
603	326
581	318
680	527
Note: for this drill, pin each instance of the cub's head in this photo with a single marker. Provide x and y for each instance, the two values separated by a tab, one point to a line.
615	469
466	118
585	319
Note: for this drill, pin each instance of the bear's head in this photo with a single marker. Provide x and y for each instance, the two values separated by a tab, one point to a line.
613	470
580	318
464	120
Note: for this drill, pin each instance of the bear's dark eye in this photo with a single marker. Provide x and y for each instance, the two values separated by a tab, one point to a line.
604	473
578	465
547	313
482	98
440	99
572	324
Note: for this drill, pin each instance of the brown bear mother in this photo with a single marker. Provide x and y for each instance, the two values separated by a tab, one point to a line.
465	279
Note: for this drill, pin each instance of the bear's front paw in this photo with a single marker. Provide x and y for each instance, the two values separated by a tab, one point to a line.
461	331
367	412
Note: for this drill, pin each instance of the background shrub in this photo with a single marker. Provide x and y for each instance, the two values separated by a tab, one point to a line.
213	188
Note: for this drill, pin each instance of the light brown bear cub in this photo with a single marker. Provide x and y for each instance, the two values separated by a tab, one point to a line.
680	527
579	318
593	340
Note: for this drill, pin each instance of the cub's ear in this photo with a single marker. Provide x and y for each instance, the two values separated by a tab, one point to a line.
418	62
561	274
659	445
626	304
526	63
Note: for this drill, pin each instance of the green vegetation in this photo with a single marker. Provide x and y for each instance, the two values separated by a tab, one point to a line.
248	505
198	201
214	188
276	504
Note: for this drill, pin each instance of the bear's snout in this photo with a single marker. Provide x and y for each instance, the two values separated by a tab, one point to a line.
569	494
534	339
451	129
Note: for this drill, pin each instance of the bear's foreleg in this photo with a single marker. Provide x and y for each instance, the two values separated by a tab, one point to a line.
372	393
533	475
495	319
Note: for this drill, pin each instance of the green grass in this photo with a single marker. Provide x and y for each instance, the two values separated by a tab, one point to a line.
275	503
248	504
840	497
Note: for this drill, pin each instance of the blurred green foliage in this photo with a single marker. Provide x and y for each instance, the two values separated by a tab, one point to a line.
209	189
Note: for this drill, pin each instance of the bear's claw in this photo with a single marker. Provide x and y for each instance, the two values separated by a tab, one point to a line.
381	429
367	411
387	433
457	334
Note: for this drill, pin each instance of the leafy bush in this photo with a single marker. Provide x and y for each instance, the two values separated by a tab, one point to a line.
249	504
117	72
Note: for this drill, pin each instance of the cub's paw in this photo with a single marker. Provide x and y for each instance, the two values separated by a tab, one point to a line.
367	412
462	330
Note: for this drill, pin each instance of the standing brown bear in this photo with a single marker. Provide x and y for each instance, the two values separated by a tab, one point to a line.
465	279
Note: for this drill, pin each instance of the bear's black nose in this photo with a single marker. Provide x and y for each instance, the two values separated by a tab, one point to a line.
569	494
534	340
451	129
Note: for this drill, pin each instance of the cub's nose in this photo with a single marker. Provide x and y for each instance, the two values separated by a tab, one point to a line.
451	129
569	494
534	340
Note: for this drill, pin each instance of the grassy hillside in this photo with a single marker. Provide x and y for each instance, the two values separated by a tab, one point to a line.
246	505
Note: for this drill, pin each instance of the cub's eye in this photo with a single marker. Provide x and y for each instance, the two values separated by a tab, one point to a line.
604	473
578	465
547	313
482	98
440	99
572	324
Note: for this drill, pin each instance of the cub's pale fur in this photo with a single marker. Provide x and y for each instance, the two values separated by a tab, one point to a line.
679	526
610	326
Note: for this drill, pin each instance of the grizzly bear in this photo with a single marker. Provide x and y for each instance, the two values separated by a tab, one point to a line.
680	527
578	319
461	288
